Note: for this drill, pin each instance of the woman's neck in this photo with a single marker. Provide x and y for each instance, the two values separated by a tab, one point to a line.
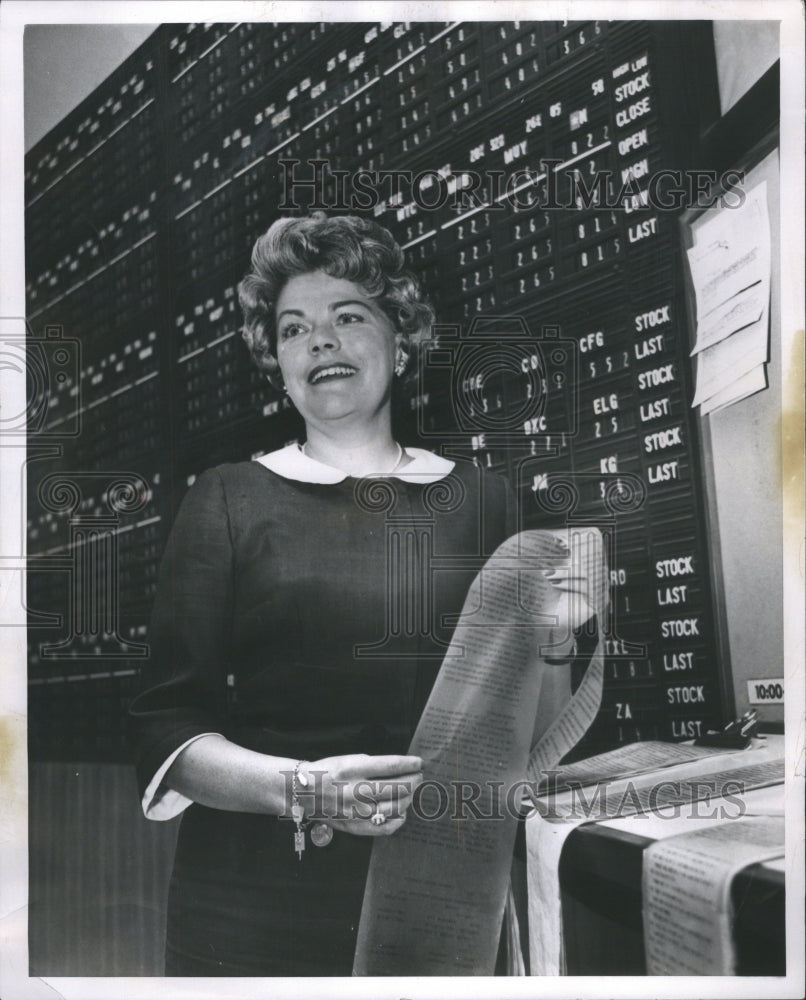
357	454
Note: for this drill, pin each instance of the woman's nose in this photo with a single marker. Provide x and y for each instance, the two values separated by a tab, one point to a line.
323	337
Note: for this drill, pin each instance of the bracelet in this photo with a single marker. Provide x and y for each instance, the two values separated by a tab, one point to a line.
297	811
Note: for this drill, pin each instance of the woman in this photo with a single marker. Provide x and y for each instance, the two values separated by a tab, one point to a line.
300	620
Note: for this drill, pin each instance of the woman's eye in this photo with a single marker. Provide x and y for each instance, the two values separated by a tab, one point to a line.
350	317
290	331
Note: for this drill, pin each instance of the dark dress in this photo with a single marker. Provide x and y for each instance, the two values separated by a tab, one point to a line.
303	620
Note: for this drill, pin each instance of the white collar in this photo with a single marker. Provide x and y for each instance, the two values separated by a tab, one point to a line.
291	463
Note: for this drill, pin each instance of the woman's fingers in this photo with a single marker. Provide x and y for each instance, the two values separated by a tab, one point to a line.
352	768
575	587
366	828
376	807
358	766
387	811
391	766
387	778
396	789
393	794
569	599
355	787
389	795
570	587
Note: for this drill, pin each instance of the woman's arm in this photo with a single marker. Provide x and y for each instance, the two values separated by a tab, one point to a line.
343	791
222	775
183	694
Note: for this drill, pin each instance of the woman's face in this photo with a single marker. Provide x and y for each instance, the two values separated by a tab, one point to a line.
335	347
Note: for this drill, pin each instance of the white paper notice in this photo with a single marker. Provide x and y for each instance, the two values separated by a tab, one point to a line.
436	890
743	309
686	892
719	367
754	381
730	269
731	252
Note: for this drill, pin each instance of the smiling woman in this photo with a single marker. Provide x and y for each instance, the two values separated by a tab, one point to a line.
333	317
299	624
336	350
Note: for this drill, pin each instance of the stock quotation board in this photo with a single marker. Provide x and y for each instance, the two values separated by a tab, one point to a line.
534	173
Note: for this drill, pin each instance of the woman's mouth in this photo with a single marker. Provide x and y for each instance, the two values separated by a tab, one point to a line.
324	373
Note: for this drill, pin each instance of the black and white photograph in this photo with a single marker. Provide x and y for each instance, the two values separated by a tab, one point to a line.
402	484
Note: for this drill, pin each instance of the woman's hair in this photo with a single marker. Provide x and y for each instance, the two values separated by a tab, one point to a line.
344	246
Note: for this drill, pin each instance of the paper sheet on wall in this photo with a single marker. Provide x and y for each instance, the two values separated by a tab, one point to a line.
744	309
731	253
746	385
719	368
730	266
436	890
686	892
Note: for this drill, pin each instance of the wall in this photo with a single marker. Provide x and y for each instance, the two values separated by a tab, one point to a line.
66	62
746	473
744	50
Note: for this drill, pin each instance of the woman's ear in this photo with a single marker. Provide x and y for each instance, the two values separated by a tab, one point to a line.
402	355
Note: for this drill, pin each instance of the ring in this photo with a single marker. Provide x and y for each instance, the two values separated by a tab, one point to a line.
378	818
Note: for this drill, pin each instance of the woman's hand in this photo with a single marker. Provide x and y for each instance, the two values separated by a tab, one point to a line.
347	791
568	601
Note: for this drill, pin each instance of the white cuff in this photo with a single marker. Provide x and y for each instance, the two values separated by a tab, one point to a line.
161	803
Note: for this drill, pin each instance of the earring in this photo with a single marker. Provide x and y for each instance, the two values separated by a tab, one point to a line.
401	360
